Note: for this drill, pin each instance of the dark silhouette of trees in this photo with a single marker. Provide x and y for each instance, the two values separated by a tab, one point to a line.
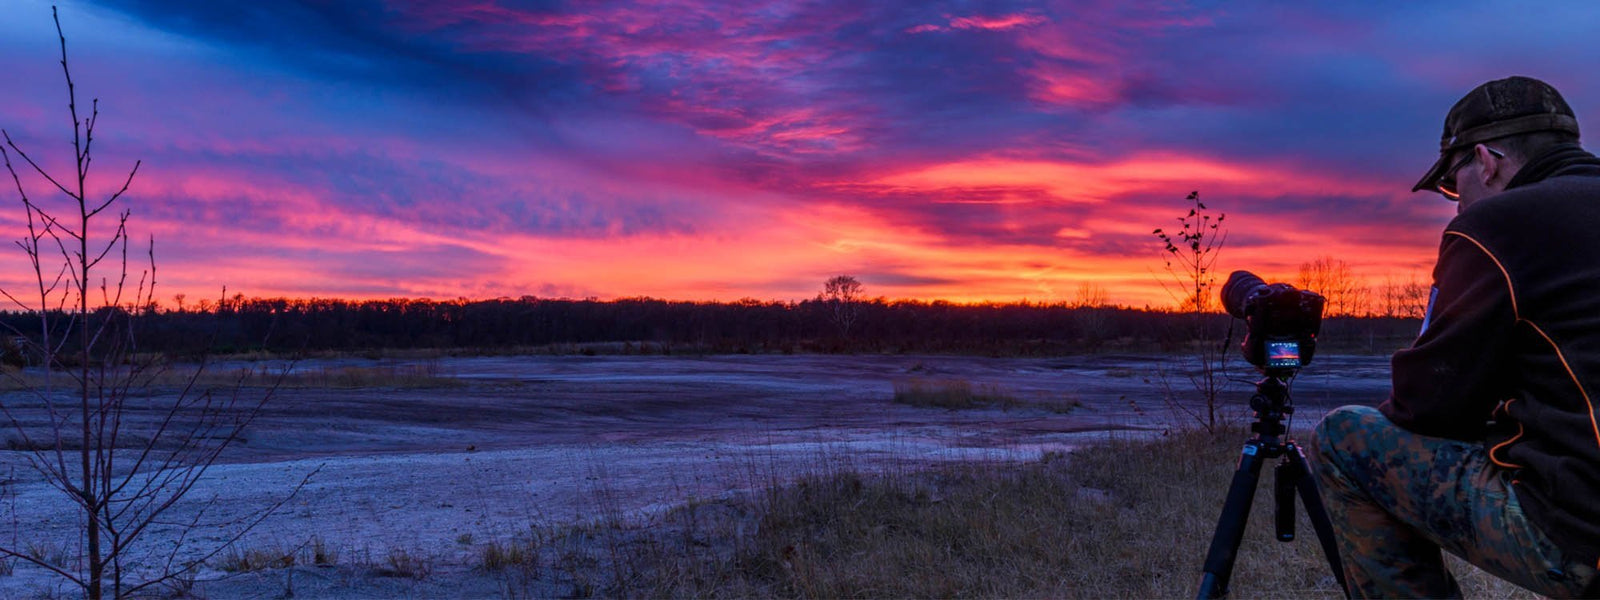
1347	295
1406	299
648	325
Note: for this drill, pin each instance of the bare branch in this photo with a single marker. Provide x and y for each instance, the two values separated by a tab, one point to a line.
120	192
68	575
37	169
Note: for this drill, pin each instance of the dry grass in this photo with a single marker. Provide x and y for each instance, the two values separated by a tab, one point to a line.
249	560
958	394
951	394
314	551
420	375
51	553
1128	518
1108	521
323	554
519	554
1124	519
404	563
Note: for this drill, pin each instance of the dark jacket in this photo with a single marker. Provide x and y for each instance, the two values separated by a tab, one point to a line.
1510	354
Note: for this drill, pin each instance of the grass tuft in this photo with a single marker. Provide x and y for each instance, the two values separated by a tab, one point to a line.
250	560
322	554
402	563
951	394
315	551
425	375
958	394
497	556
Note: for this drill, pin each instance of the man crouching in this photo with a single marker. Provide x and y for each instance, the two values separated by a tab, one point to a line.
1488	446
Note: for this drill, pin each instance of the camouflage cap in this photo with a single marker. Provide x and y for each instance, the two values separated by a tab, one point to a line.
1496	109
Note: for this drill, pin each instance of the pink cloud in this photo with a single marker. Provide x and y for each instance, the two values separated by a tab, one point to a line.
1000	23
1057	84
987	23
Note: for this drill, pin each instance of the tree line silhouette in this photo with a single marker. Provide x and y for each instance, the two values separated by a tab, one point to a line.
649	325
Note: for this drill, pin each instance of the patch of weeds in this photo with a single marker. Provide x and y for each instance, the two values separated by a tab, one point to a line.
48	553
7	567
464	539
256	559
402	563
951	394
520	555
181	585
428	374
580	568
322	554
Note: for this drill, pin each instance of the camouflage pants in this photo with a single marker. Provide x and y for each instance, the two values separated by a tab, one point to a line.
1397	498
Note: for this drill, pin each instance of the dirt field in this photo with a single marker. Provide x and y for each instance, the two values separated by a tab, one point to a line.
435	471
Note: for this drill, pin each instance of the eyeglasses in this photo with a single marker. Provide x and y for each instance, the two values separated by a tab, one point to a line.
1447	182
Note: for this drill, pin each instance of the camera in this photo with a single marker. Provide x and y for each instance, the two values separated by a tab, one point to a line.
1282	322
1281	336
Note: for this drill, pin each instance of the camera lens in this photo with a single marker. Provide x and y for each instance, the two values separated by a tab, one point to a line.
1240	285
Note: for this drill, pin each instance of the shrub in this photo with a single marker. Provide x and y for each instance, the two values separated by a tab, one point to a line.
952	394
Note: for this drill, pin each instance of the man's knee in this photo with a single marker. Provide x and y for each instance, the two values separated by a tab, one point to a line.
1344	430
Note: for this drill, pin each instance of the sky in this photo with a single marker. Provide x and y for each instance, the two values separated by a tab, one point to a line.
699	150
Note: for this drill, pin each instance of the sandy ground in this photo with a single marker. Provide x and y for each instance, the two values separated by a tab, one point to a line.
435	472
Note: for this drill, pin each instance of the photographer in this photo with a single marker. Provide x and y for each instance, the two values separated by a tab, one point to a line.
1488	445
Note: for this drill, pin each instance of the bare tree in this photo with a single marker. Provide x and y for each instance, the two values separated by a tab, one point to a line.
1089	313
1347	295
1091	295
1404	299
843	294
1190	256
121	453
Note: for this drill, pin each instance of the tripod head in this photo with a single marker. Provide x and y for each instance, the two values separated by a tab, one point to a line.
1272	404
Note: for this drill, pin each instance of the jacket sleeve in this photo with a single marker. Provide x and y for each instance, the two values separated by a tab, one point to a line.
1451	379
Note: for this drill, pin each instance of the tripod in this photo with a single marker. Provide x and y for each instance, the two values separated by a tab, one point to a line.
1271	403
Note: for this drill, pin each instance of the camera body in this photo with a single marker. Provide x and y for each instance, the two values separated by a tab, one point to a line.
1282	322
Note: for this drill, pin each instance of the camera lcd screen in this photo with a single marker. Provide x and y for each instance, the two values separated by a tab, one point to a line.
1283	354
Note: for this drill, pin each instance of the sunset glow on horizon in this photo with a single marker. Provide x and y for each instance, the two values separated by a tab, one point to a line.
701	150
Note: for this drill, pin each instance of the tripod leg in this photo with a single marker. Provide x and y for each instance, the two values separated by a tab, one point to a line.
1312	499
1230	527
1285	478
